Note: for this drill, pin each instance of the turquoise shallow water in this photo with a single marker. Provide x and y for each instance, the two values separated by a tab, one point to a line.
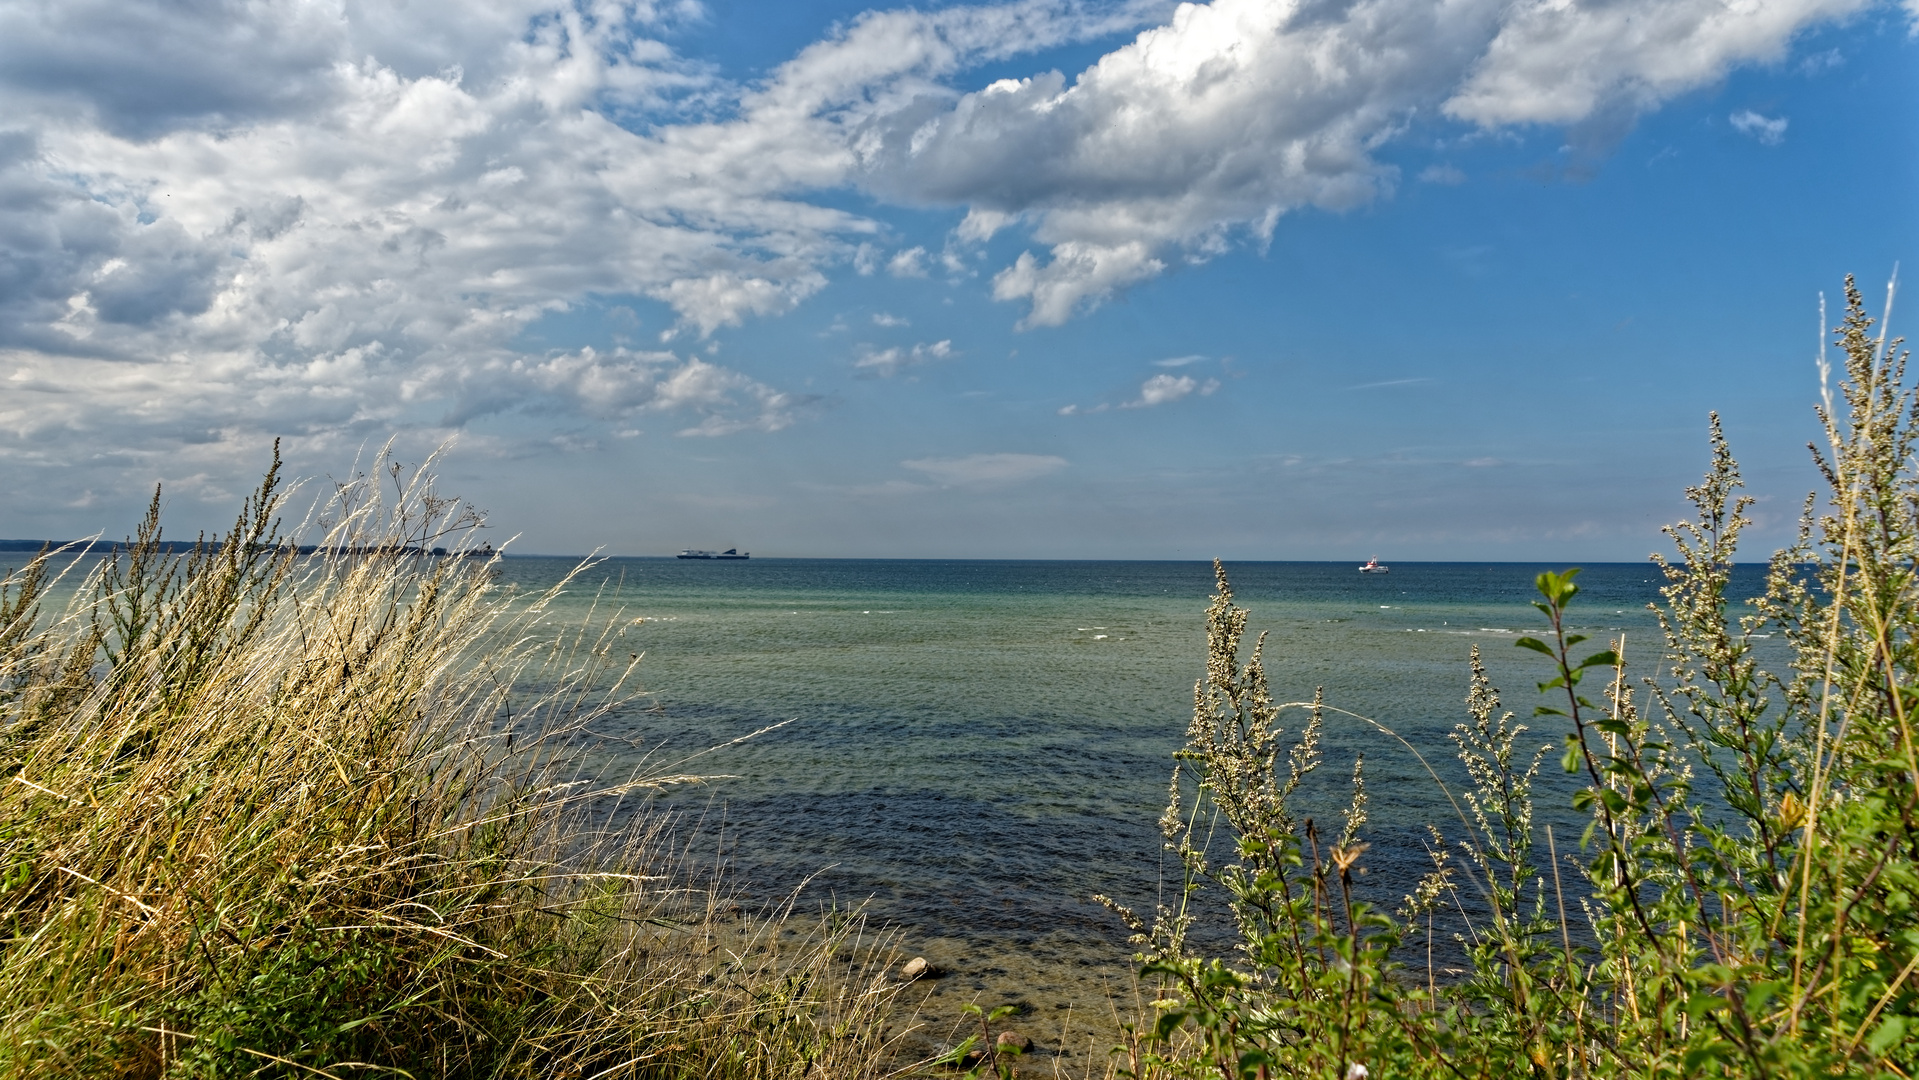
978	747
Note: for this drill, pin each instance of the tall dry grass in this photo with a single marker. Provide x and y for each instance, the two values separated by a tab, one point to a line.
265	813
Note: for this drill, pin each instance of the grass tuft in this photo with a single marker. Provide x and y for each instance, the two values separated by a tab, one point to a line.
266	813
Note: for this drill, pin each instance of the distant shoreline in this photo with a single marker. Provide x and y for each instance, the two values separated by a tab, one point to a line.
183	547
175	547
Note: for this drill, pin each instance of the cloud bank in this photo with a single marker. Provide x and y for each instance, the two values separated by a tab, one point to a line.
329	219
987	470
1236	112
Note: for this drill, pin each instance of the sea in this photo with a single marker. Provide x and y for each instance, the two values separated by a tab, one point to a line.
970	751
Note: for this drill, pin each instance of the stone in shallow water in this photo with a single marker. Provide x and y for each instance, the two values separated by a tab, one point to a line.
1013	1040
918	968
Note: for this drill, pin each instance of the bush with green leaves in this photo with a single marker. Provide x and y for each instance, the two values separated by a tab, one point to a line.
1745	898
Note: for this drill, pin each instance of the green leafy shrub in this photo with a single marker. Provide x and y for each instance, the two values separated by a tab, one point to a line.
1746	893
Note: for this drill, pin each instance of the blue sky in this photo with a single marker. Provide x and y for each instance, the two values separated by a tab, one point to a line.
1426	280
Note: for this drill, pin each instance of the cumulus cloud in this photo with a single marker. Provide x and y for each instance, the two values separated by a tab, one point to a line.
315	217
1163	389
1768	130
983	470
908	263
326	218
1160	389
1559	62
886	363
1236	112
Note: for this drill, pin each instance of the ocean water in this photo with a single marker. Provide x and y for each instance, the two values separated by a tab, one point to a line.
977	748
972	749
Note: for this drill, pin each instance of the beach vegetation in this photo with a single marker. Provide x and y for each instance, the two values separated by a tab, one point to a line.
286	806
1743	895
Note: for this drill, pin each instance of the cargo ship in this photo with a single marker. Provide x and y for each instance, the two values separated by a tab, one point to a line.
729	553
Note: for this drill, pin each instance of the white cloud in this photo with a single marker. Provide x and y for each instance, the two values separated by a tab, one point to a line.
1211	127
1562	61
333	219
887	363
1160	389
982	470
1442	174
1164	389
1390	383
1078	277
908	263
1821	62
882	318
1179	361
1768	130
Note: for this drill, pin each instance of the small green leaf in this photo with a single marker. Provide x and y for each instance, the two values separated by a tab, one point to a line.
1760	993
1699	1005
1698	1056
1890	1031
1535	645
959	1053
1606	658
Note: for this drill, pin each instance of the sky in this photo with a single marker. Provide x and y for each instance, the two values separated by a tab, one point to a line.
1255	279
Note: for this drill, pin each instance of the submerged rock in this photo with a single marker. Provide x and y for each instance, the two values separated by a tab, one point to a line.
1013	1040
918	968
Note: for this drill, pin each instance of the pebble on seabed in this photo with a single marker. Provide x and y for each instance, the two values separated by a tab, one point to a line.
1013	1040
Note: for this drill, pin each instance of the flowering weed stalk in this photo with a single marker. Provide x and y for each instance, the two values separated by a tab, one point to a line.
1748	880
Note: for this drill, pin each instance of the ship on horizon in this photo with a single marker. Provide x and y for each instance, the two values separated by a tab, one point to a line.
729	553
